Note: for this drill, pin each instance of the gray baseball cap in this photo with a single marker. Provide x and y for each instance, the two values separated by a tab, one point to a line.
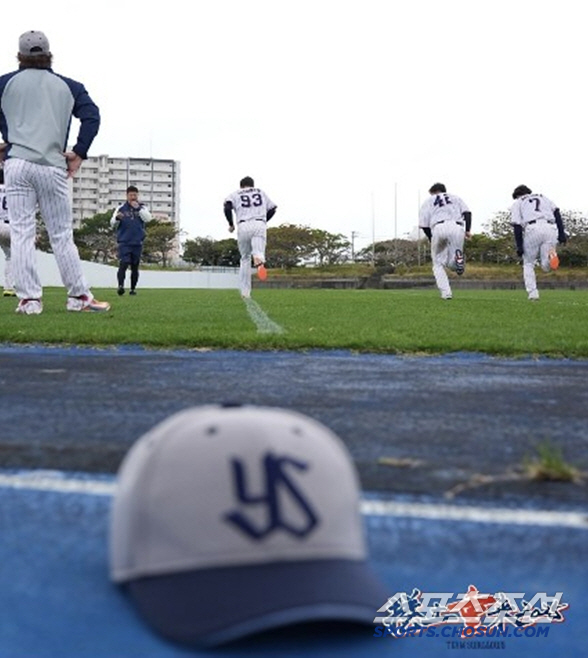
228	521
33	43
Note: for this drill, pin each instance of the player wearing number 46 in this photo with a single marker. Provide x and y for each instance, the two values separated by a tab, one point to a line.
446	221
538	227
253	209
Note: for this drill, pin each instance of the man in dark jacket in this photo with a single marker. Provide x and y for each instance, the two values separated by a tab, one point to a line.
129	220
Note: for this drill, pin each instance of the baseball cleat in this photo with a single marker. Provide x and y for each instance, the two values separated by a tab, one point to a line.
9	292
86	303
132	292
553	259
29	307
261	272
120	291
459	262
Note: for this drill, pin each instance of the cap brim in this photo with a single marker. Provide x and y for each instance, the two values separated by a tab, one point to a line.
209	607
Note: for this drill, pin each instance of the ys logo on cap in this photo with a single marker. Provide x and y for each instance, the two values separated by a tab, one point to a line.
277	484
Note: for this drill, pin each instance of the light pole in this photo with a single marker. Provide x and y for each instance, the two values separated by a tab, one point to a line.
373	230
395	210
354	234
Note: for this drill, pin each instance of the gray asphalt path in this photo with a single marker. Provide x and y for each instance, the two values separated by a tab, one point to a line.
437	423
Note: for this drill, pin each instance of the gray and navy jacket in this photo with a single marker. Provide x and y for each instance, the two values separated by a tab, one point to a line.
130	228
36	107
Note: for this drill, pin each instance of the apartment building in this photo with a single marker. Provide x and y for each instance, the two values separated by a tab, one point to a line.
101	183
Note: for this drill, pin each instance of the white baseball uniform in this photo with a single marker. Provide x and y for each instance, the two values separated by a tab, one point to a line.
37	108
5	240
535	213
250	205
443	214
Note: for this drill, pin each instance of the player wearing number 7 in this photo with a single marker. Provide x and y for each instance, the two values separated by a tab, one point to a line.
446	221
538	227
253	209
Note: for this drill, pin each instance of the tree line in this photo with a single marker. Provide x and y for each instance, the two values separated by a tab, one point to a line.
291	245
96	240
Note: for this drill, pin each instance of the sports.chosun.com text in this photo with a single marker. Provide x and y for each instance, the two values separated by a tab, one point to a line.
459	631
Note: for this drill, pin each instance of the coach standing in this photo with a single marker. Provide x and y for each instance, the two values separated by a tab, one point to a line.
129	220
36	107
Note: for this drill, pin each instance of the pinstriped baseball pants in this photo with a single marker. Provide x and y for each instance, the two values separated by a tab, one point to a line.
27	184
446	238
251	240
538	240
5	246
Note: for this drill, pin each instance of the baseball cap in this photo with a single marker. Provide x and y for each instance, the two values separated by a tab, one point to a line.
33	43
228	521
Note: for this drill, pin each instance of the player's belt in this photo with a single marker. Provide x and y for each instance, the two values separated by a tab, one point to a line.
450	220
6	221
534	221
242	221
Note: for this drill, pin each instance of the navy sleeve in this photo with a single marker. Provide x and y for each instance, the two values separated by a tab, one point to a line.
518	233
467	216
88	113
427	232
270	213
228	209
561	234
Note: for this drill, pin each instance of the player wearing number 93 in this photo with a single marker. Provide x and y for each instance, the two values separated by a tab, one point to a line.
538	227
253	209
446	221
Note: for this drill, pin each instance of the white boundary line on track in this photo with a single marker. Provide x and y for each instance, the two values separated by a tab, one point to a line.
59	482
260	319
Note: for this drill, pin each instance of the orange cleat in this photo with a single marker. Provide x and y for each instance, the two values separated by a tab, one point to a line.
261	272
553	259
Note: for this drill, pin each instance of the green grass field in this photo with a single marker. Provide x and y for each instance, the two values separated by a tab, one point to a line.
499	322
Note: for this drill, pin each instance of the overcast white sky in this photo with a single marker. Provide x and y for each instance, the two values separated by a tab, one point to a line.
331	105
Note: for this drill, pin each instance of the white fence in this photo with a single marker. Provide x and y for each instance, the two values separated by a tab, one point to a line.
104	276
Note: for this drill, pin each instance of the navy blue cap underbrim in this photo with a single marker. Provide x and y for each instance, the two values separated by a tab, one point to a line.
208	607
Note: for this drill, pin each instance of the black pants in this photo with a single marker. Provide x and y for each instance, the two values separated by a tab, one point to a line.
129	256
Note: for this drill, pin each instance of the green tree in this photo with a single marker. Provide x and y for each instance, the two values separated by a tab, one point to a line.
42	237
329	248
499	230
160	241
392	253
227	253
200	251
96	239
575	223
288	245
499	227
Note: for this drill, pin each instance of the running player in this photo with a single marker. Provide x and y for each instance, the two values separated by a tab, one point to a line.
37	107
253	209
538	227
446	221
